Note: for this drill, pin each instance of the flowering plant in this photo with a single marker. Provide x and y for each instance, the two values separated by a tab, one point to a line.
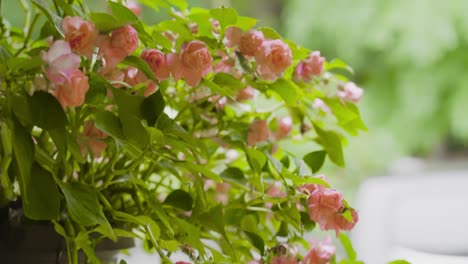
173	133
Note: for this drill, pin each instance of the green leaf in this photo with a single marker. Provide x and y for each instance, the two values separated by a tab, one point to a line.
83	204
245	23
152	107
141	65
181	4
315	160
51	16
24	64
228	81
288	91
337	64
214	219
162	40
225	16
134	131
269	33
256	159
151	226
31	110
217	89
180	199
176	27
348	246
399	261
200	169
105	22
332	144
234	174
283	229
257	241
123	14
306	222
109	123
41	199
42	194
97	92
202	18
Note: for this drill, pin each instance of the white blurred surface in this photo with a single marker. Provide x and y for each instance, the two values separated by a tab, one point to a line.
419	216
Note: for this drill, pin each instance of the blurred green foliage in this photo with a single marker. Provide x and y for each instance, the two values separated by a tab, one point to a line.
412	59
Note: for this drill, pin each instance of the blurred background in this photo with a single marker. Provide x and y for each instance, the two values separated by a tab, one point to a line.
410	56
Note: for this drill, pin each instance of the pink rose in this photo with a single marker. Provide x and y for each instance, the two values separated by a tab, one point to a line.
73	90
93	139
285	259
273	57
258	132
133	77
245	94
284	127
326	207
232	36
250	42
157	62
321	105
312	66
192	64
125	38
275	190
351	92
80	34
320	252
60	60
118	46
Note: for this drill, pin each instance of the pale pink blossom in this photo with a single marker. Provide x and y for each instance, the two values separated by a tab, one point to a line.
319	104
245	94
351	92
193	62
320	252
60	61
216	26
275	190
72	91
133	77
284	127
157	62
81	35
232	36
250	42
258	132
93	139
273	57
312	66
134	7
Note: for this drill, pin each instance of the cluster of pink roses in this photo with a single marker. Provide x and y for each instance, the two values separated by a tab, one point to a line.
272	56
326	208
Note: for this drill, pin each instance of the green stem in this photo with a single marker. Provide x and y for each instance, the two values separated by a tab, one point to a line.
28	36
6	140
71	245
